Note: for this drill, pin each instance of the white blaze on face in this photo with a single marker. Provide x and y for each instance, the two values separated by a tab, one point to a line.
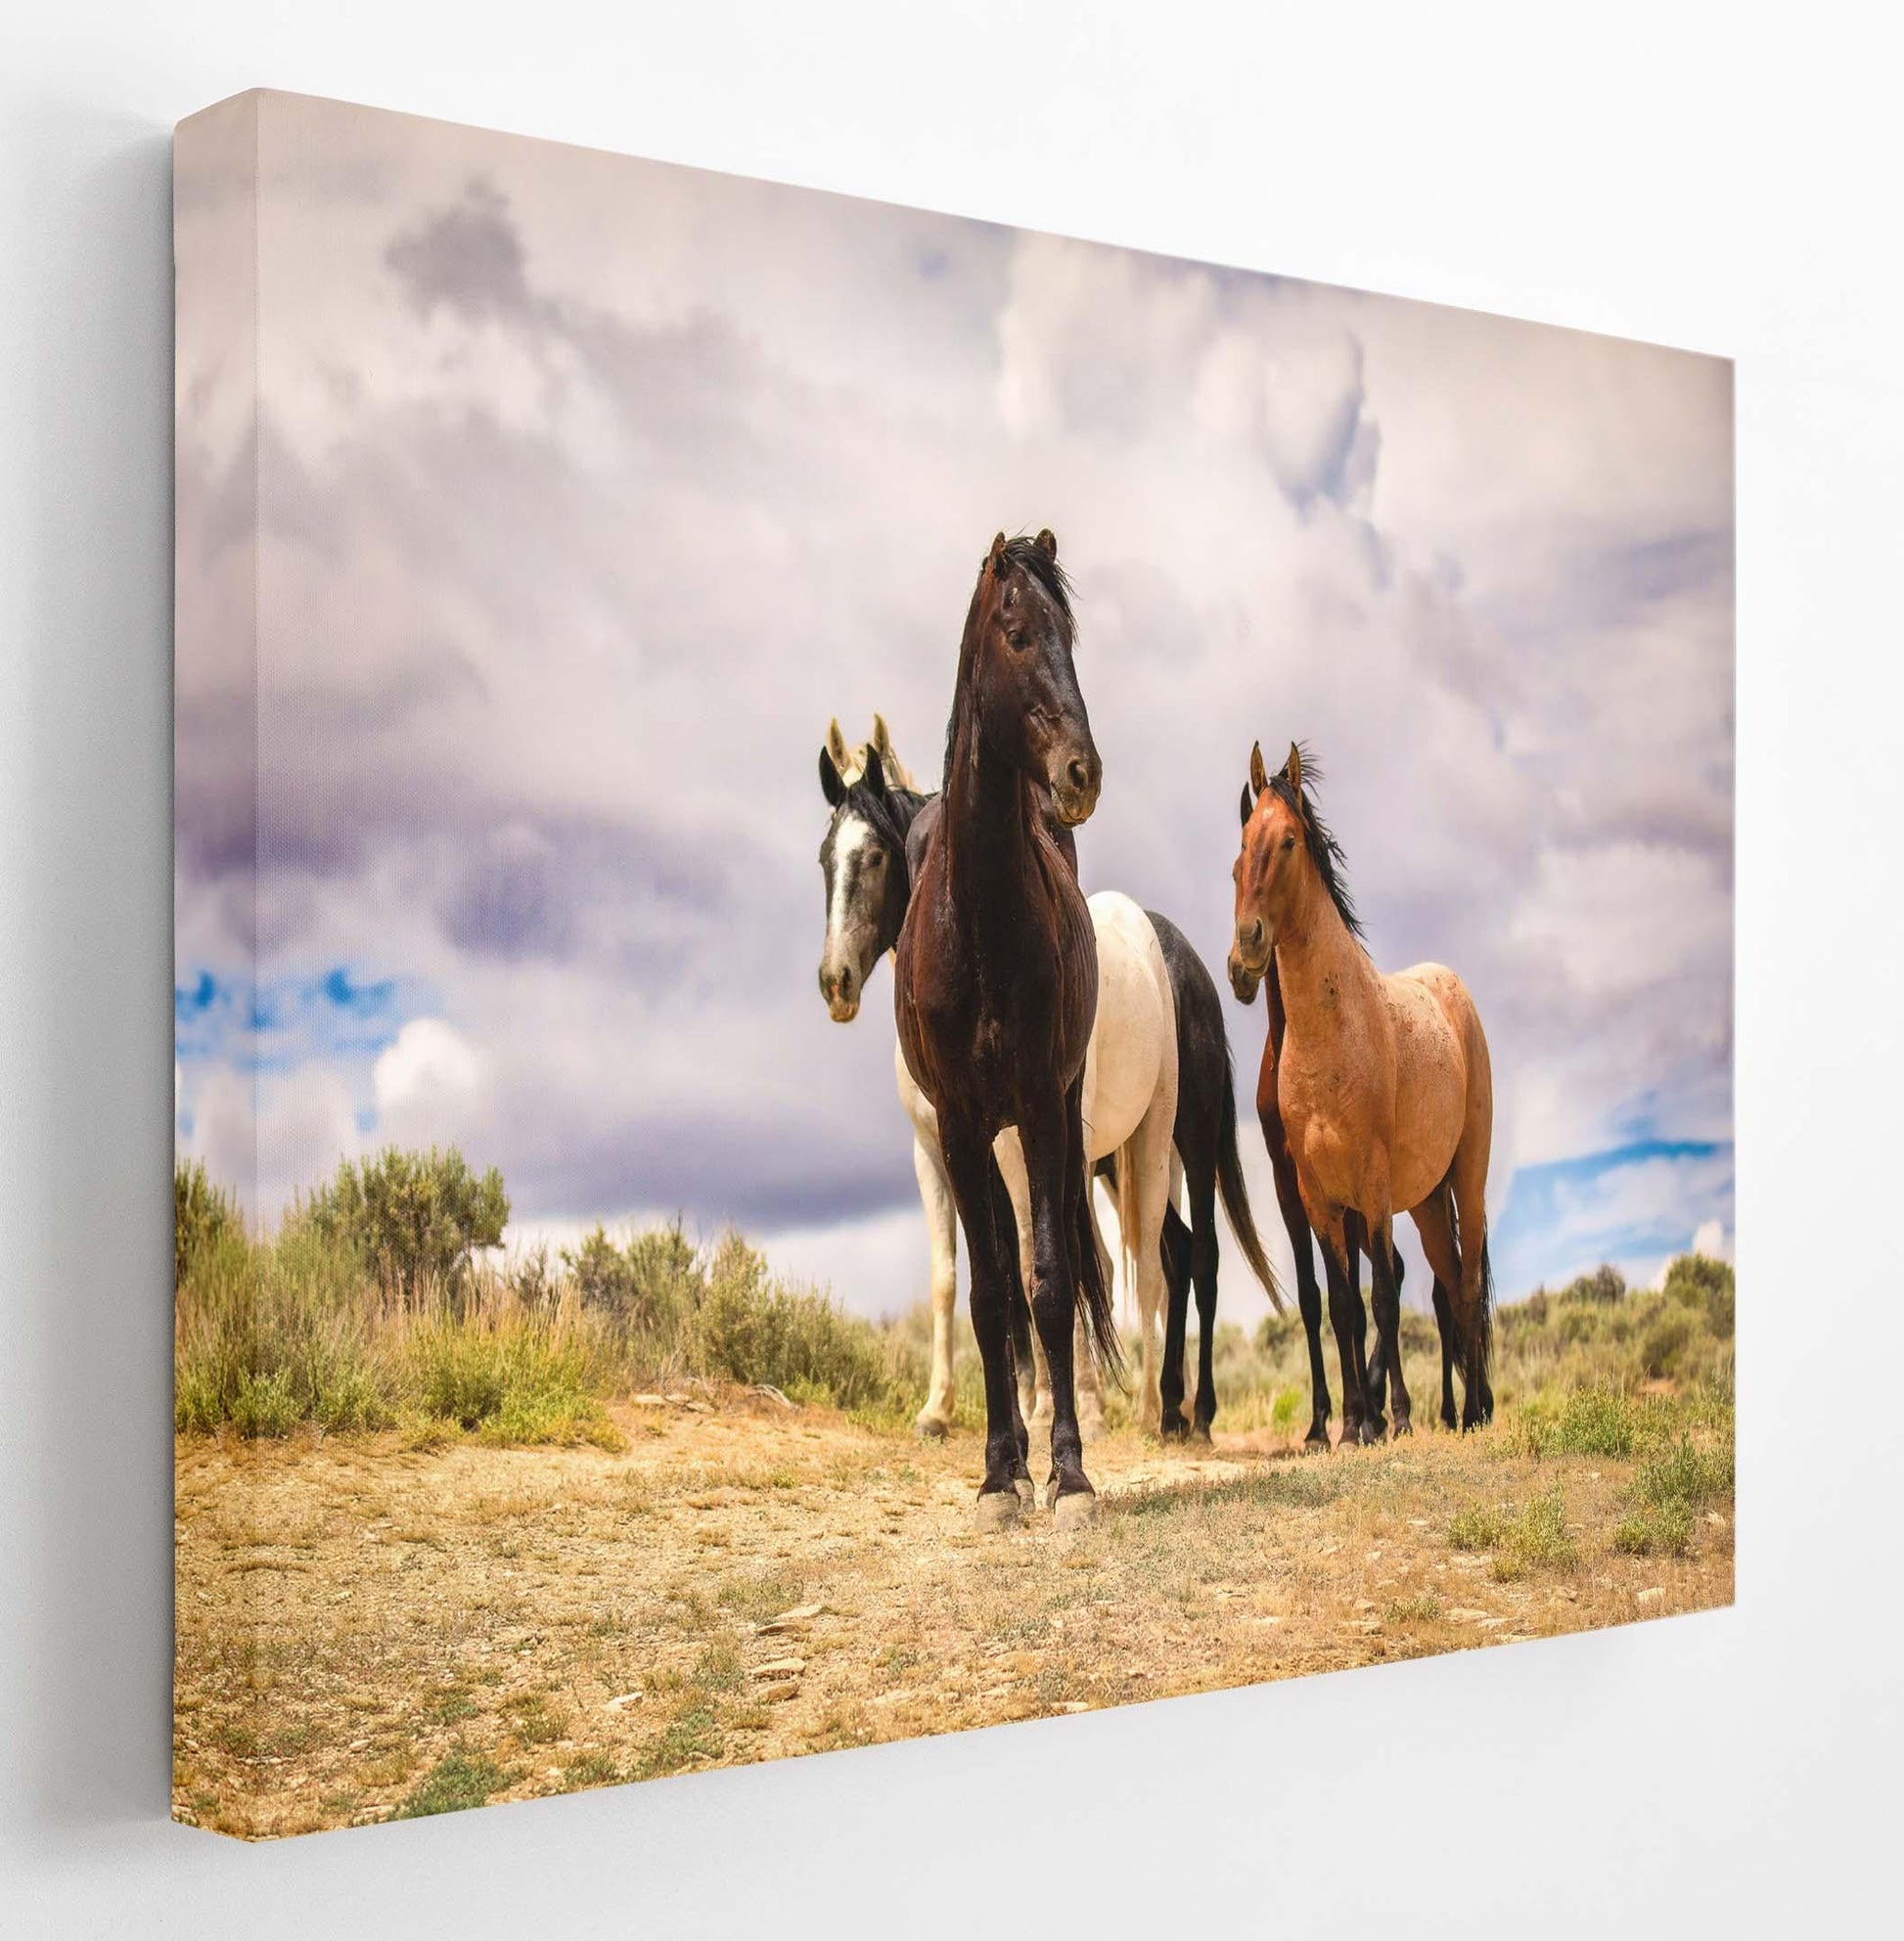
851	841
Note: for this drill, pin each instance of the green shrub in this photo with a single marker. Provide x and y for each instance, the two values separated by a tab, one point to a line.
414	1219
366	1310
1686	1475
1477	1527
1663	1530
1708	1285
1604	1287
1663	1347
650	1289
749	1328
1538	1536
453	1783
205	1217
1585	1422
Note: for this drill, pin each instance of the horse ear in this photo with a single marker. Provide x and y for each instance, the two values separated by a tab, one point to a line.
882	735
1248	806
837	747
1259	779
996	557
1293	768
1047	543
831	785
874	773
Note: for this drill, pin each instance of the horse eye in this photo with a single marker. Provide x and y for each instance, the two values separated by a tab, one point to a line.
1289	843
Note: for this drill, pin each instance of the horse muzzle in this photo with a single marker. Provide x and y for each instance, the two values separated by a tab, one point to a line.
842	991
1075	783
1248	961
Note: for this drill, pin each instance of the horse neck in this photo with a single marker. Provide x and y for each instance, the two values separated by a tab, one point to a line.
905	806
991	819
1321	970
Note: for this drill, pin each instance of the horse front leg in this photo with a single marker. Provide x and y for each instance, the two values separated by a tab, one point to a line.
1346	1318
1385	1296
967	1164
943	1231
1048	1143
1308	1291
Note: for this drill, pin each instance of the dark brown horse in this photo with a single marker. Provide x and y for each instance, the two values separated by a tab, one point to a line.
995	991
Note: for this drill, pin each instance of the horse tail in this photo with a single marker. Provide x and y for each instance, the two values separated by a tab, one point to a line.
1236	1196
1093	1292
1484	1331
1477	1364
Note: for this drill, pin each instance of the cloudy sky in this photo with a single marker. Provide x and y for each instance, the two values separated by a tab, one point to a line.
588	489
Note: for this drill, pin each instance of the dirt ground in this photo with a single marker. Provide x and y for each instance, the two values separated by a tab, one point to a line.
366	1629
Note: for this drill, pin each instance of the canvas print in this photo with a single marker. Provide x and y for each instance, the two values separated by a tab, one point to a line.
926	975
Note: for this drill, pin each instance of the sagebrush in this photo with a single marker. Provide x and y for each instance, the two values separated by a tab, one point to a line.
372	1307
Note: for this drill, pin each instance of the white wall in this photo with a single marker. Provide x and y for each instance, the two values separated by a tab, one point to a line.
1723	178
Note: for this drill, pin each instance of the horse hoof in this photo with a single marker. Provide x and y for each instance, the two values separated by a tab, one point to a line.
1316	1442
1403	1426
1075	1511
1174	1429
1201	1433
931	1428
997	1509
1028	1491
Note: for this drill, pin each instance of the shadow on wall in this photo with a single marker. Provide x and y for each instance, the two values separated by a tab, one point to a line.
85	1376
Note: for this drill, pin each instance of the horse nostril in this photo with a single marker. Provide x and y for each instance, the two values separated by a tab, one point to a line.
1079	771
845	983
1257	934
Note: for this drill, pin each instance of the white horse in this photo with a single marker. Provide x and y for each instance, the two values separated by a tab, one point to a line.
1130	1071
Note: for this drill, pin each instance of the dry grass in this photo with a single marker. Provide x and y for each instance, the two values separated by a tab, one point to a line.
368	1628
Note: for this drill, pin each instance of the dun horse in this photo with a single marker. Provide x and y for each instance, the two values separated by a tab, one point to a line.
1384	1095
996	990
878	817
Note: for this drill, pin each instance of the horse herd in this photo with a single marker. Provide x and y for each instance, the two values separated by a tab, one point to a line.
1044	1038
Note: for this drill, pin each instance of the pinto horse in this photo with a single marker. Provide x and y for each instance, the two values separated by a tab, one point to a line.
996	991
1385	1096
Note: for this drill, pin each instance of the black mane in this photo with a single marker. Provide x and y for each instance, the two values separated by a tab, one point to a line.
1331	864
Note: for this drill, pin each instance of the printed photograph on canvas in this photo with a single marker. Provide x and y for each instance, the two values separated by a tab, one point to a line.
926	976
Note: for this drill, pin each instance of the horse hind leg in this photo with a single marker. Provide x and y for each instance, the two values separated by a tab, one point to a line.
1175	1261
934	1420
1346	1318
1202	1272
1052	1147
1147	1200
1444	1321
1385	1296
1089	1377
1474	1298
1435	1223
